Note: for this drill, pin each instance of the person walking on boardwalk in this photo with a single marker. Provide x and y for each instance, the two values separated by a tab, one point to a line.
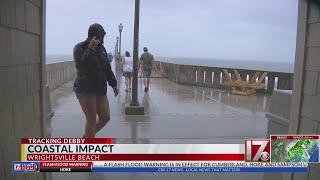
93	71
127	66
110	57
146	60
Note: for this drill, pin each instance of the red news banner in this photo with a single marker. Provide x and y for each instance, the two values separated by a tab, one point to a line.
106	149
65	166
65	149
77	154
68	141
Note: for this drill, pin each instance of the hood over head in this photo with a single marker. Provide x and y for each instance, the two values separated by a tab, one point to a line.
96	30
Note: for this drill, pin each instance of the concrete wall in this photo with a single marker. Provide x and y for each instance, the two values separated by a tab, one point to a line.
279	112
306	94
59	73
305	114
214	77
305	101
278	121
21	110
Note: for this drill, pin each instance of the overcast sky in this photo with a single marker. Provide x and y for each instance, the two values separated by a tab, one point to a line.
262	30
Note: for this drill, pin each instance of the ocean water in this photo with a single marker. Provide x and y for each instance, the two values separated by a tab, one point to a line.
58	58
237	64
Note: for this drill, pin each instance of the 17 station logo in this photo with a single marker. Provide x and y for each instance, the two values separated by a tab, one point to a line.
257	150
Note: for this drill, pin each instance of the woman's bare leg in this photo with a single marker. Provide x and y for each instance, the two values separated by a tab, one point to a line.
130	82
127	83
88	105
103	112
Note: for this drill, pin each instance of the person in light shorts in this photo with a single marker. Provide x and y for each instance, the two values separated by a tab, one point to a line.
127	66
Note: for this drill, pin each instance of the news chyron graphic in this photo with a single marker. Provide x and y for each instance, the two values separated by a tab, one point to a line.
25	167
281	153
295	148
257	150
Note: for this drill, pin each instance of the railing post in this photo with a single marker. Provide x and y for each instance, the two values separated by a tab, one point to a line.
243	75
200	76
223	79
281	82
271	83
208	80
177	73
216	78
290	81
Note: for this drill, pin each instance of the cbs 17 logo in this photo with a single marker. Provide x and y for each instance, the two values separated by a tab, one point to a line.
25	167
257	150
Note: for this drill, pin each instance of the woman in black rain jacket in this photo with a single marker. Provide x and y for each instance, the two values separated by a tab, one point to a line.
93	71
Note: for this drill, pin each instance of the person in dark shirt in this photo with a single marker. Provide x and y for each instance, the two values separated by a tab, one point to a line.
146	61
93	71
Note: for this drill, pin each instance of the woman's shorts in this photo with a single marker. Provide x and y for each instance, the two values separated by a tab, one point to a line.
80	94
127	74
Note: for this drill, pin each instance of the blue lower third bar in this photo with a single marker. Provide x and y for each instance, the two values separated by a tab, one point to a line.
198	170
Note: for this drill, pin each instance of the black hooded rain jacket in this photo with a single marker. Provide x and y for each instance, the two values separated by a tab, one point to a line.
93	68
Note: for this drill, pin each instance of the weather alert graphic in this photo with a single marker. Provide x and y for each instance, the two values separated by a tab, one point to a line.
295	149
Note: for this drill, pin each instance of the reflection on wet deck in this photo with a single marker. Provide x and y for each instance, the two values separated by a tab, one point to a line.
173	114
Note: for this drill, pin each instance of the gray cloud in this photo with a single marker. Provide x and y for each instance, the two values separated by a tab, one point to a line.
261	30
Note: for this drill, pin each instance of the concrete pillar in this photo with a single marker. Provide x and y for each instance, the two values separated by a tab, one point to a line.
21	80
243	75
177	73
216	78
305	115
208	80
200	76
251	74
187	75
283	81
271	83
